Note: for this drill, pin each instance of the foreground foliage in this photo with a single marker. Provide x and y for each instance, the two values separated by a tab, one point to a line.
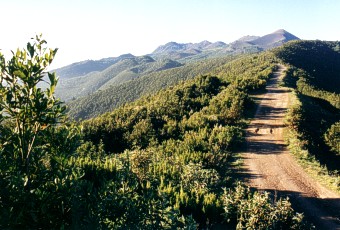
162	162
35	142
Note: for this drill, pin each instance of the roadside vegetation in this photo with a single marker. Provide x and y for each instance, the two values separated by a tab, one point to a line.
313	119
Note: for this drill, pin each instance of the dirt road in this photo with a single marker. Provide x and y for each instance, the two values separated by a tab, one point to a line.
269	166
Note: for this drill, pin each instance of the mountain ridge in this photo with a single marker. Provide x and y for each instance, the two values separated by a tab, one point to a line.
245	44
87	77
184	52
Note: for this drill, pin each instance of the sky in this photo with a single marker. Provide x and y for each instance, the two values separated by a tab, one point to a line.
95	29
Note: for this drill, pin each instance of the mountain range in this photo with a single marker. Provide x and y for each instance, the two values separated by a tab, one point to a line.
84	78
247	44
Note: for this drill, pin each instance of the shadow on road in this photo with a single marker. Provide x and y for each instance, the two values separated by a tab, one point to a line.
329	219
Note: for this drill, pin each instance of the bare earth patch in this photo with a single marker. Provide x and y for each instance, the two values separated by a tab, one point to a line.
269	166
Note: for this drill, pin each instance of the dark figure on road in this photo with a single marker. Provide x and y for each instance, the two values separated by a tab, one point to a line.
256	130
271	131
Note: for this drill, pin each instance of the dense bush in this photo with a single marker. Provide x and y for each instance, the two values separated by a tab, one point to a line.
257	211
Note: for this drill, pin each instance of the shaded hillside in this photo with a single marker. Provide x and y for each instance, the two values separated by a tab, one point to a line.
314	73
177	51
122	71
247	38
243	43
174	46
319	59
189	52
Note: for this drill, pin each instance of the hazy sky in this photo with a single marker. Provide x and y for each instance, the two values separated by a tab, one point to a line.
85	29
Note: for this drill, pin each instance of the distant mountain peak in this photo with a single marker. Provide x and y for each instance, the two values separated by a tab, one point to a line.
183	52
280	31
286	34
179	47
247	38
169	47
204	43
128	55
274	39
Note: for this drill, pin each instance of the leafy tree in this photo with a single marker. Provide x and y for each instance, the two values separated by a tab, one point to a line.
35	141
26	109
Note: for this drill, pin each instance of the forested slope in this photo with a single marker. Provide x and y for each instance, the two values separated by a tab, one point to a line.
112	96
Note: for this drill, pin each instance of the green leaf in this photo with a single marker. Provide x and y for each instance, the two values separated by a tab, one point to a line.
20	74
54	80
30	49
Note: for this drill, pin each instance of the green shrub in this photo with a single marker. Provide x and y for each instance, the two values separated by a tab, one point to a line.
257	210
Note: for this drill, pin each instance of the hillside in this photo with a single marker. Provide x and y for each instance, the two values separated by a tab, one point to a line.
247	38
82	68
141	70
107	99
319	60
124	70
